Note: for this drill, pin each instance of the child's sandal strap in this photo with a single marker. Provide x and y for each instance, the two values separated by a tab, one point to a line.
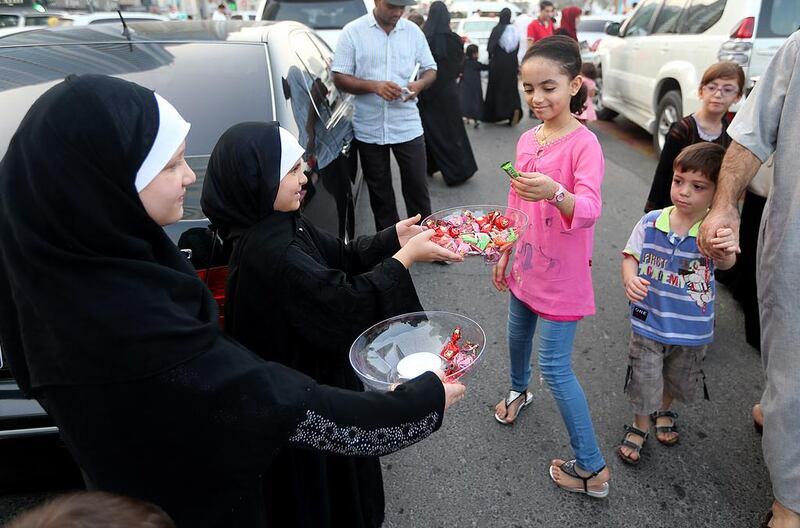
629	429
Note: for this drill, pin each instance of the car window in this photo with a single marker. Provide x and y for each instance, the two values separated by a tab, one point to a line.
236	89
701	15
7	21
40	21
317	106
779	18
668	17
592	26
479	26
640	22
318	15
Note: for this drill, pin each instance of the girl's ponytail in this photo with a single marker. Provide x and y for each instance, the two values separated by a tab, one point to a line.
578	102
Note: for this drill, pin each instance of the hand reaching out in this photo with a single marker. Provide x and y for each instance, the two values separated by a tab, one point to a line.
407	228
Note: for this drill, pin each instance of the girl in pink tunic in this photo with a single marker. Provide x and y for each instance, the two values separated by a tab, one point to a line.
561	170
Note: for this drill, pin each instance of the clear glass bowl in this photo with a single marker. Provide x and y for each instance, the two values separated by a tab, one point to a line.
491	252
376	353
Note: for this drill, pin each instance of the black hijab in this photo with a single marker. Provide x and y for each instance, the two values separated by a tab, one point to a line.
497	32
242	178
437	28
92	290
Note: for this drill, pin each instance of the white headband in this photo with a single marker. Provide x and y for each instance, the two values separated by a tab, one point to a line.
172	130
291	151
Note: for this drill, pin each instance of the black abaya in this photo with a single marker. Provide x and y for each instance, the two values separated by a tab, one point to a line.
502	97
470	89
446	140
105	322
318	295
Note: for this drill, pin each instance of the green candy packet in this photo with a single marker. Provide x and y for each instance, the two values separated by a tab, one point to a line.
509	169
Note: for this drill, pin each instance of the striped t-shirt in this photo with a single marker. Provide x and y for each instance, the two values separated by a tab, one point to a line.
679	307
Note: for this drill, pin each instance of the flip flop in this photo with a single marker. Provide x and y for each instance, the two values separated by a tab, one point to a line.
569	468
510	399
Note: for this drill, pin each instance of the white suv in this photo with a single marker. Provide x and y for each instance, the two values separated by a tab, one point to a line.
651	66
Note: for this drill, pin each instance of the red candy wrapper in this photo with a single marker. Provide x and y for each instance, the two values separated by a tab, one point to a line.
458	357
464	233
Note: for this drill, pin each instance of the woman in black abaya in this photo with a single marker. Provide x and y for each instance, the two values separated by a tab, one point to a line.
317	293
446	141
104	321
502	97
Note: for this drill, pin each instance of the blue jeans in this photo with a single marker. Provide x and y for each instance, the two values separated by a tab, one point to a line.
555	362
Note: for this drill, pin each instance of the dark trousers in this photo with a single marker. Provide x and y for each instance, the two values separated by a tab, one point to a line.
378	174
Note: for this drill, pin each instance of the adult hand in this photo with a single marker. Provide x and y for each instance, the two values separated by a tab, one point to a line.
453	391
420	248
499	272
534	186
387	89
720	217
636	288
408	228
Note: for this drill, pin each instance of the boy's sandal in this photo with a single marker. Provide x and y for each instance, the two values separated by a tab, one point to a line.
664	429
569	468
520	399
637	448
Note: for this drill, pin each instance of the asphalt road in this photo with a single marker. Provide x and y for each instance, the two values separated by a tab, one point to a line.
475	472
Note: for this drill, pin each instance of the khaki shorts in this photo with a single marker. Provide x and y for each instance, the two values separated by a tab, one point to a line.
655	367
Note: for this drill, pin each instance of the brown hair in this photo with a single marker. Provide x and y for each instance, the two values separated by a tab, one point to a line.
93	510
724	70
703	157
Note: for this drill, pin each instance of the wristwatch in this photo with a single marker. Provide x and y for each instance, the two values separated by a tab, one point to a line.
558	196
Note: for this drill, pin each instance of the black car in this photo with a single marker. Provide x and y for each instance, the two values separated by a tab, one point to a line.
216	74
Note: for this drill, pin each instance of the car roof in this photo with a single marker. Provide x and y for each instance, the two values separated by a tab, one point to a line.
103	15
156	31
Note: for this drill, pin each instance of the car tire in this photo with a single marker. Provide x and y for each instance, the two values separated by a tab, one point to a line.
603	113
668	111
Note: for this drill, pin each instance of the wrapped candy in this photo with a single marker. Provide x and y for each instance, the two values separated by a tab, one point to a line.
488	234
458	356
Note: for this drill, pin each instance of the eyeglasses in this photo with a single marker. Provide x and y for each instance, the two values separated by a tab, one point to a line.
726	90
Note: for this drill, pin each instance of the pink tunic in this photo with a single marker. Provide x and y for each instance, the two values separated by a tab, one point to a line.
551	272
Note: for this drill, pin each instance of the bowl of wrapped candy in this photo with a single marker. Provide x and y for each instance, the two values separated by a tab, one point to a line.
478	230
403	347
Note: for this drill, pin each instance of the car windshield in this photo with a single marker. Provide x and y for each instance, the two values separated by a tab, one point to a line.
318	15
7	21
479	25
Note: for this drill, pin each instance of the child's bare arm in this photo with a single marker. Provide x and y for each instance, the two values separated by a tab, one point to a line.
635	286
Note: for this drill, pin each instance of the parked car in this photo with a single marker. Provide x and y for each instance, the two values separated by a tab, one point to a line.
476	30
107	17
216	75
651	65
592	28
16	17
327	17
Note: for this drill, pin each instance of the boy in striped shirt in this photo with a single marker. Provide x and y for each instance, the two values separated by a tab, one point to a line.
670	286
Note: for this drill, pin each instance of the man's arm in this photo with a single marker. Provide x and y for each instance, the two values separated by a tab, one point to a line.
738	168
424	81
350	84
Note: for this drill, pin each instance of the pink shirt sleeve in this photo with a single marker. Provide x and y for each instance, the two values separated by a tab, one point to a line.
588	170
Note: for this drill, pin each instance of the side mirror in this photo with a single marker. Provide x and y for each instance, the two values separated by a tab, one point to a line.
612	28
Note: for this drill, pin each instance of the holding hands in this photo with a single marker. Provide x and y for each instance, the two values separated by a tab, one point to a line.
534	186
719	220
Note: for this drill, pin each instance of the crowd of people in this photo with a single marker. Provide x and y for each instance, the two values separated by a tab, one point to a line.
113	333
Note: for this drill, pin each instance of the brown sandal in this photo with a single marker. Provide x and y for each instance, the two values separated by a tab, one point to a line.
520	399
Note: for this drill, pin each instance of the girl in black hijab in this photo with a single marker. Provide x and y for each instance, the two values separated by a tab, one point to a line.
104	321
316	294
446	141
502	97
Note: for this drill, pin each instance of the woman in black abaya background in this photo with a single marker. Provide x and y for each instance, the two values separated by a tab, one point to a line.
502	97
446	141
